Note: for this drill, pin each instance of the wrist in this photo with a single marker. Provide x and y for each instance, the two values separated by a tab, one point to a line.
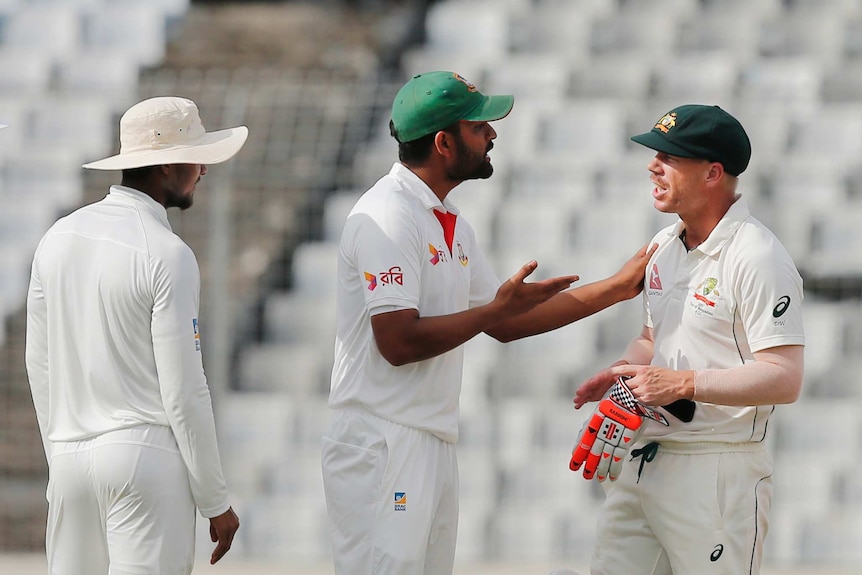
690	383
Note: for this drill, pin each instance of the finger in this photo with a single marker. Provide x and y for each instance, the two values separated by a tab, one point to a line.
605	462
617	460
624	370
525	270
652	250
585	442
585	395
213	533
222	548
592	462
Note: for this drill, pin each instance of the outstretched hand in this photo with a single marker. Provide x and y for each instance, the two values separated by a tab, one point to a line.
222	530
518	296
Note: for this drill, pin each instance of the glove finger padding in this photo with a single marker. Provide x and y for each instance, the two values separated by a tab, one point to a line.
586	440
605	440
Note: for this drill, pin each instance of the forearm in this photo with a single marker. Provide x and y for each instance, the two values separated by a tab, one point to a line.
561	310
774	378
36	361
188	407
419	338
639	351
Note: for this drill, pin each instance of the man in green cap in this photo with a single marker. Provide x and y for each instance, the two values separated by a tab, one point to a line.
413	286
721	344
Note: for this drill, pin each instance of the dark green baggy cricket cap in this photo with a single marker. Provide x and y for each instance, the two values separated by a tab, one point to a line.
701	132
429	102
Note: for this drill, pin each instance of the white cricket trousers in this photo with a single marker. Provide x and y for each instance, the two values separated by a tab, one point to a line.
391	496
690	509
120	504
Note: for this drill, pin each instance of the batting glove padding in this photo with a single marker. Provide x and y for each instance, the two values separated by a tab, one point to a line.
605	440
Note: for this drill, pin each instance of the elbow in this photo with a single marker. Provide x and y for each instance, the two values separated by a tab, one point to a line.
794	391
501	334
396	355
395	360
791	390
503	338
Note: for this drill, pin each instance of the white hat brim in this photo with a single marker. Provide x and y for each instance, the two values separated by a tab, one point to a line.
211	148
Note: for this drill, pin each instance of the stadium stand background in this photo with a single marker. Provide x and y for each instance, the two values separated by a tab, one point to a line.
314	81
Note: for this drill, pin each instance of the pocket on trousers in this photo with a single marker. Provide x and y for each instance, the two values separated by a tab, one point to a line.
352	475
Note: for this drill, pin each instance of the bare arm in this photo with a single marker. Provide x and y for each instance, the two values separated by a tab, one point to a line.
638	352
404	337
774	377
572	305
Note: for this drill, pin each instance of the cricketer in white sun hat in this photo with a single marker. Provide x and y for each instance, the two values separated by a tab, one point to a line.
168	130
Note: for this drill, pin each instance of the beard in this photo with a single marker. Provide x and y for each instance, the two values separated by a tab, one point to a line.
175	199
470	165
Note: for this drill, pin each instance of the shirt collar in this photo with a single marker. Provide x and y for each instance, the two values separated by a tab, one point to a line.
724	230
416	186
131	196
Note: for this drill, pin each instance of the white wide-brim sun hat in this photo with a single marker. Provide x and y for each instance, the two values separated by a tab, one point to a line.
168	130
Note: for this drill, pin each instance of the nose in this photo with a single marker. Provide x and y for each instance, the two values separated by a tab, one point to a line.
492	132
203	170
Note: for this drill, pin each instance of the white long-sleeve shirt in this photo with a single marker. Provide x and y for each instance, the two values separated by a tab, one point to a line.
112	334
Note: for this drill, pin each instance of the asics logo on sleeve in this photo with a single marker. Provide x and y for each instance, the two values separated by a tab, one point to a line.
781	306
716	553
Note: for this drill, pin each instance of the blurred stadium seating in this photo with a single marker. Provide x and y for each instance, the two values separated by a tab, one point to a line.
586	74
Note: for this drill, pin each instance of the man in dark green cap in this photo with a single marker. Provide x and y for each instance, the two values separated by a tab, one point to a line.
723	340
413	286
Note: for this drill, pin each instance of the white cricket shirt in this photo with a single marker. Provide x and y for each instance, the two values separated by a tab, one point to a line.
712	307
393	256
112	334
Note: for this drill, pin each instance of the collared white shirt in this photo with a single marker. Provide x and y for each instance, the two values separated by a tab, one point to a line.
393	256
112	334
737	293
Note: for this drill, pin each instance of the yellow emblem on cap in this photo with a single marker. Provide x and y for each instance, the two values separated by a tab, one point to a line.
667	122
460	78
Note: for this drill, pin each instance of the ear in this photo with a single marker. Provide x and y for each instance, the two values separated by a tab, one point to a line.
444	144
715	173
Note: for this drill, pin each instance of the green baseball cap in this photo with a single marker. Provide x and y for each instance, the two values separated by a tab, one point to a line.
701	132
432	101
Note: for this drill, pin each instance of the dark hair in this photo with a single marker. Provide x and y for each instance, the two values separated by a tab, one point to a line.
417	151
137	174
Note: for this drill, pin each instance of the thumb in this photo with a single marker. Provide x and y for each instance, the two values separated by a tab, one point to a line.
525	271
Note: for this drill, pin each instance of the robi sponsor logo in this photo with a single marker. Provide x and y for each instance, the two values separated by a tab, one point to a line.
393	275
372	281
437	255
197	334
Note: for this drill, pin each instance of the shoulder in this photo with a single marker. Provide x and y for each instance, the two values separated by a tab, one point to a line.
386	204
757	244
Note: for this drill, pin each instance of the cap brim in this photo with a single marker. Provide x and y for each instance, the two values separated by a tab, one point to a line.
659	143
211	148
492	108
